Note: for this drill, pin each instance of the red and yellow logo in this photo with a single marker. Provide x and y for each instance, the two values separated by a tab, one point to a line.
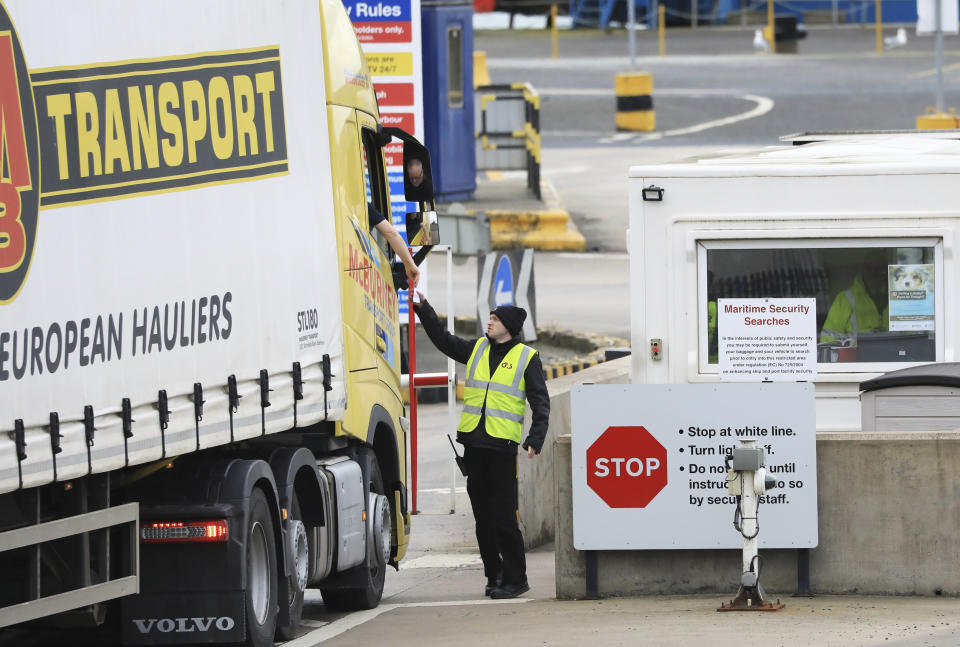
19	164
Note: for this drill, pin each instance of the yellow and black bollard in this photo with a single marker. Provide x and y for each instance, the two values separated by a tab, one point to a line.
635	101
933	120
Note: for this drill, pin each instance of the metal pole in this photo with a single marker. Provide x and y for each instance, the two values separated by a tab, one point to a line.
593	588
661	28
878	21
744	6
771	27
939	23
836	12
554	34
631	30
803	573
451	366
412	344
748	520
695	12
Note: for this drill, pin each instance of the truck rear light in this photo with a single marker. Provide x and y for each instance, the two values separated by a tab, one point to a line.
184	531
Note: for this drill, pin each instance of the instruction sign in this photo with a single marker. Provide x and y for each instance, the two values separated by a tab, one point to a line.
648	464
767	340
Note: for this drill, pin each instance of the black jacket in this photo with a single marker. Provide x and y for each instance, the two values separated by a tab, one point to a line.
460	350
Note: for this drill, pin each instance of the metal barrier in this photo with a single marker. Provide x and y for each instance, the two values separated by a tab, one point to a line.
753	12
509	135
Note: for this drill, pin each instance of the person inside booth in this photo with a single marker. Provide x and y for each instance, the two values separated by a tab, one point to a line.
863	307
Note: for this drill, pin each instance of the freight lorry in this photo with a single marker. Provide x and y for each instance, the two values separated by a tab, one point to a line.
862	223
200	364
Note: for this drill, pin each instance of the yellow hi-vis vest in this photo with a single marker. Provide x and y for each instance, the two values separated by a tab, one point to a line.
500	396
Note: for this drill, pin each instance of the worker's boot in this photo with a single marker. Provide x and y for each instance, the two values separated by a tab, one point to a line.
506	591
493	583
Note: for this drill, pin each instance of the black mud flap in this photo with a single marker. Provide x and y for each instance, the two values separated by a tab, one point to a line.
172	618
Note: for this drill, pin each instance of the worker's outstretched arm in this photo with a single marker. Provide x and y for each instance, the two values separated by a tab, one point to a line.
457	348
388	231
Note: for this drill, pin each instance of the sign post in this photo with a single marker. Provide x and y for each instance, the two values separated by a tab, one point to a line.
937	17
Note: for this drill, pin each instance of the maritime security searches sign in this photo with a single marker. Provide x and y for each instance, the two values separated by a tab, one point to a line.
767	340
648	464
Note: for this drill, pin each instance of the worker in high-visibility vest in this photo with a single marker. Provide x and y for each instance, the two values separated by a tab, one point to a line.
862	307
502	375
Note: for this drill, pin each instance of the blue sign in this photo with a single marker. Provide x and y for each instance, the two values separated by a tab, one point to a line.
503	283
365	11
399	212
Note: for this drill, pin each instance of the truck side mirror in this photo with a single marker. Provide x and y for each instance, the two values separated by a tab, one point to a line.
423	228
417	174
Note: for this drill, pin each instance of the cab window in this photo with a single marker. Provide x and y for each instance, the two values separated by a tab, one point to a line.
374	185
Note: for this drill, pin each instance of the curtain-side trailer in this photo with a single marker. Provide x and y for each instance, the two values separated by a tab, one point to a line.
200	410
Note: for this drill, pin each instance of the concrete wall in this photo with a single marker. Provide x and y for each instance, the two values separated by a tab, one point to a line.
537	498
889	512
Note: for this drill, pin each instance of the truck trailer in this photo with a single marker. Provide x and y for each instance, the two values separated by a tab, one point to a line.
862	222
200	357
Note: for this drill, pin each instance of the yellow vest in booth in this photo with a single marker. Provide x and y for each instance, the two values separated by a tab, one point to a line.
503	393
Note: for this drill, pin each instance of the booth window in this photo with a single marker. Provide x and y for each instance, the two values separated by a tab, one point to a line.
455	66
876	300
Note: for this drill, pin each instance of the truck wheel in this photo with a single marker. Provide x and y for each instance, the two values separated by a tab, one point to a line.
304	554
261	593
375	569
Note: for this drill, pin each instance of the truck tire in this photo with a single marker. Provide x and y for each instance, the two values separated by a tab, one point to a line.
260	596
367	597
305	552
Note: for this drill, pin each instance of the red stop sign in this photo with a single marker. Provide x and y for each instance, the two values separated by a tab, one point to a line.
626	467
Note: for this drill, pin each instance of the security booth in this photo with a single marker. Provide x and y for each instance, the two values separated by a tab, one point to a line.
448	108
864	225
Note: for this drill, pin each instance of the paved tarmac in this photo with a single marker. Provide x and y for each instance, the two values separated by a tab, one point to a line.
712	88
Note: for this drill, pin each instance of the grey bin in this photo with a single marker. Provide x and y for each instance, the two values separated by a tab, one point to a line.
919	398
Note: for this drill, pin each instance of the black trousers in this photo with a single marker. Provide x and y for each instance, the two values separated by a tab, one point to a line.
492	486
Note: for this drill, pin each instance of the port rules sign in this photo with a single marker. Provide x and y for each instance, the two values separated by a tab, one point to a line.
648	464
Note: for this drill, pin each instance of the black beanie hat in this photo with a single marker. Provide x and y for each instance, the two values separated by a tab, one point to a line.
511	317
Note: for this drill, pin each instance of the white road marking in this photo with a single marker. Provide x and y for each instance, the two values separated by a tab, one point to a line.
358	618
762	107
443	560
608	92
618	137
440	490
313	624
